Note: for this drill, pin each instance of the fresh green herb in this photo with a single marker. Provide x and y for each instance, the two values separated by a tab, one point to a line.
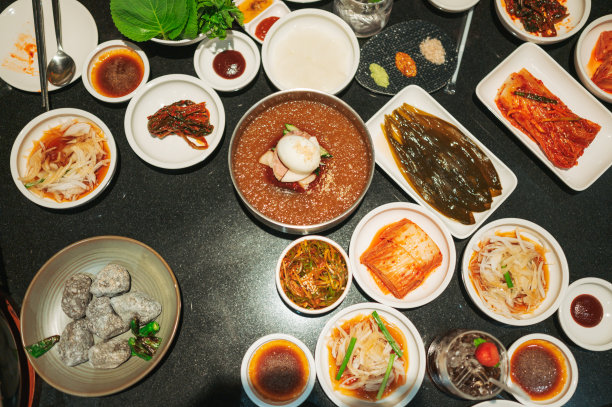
478	341
141	20
534	96
31	184
347	357
381	390
508	279
387	335
40	348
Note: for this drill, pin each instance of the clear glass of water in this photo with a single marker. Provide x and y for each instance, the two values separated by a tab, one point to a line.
366	18
453	367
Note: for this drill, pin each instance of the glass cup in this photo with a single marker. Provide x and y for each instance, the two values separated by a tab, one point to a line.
453	367
366	18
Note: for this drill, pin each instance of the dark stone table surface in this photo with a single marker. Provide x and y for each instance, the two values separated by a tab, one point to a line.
224	259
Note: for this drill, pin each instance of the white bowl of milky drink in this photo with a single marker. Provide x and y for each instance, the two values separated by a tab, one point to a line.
313	49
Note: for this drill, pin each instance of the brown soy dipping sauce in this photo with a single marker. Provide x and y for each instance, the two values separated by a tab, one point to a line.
279	371
229	64
117	72
586	310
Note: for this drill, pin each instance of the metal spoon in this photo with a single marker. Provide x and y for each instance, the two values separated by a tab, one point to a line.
451	85
516	391
61	69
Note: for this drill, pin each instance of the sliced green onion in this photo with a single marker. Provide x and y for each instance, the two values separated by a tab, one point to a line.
346	357
386	378
534	96
31	184
387	335
508	279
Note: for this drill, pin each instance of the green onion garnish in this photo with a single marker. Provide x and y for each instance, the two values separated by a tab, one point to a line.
387	373
346	357
534	96
508	279
387	335
31	184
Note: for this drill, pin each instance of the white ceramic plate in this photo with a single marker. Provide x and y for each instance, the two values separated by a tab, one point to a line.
244	370
277	9
171	152
558	270
179	43
417	97
34	130
597	157
582	54
415	349
292	304
572	372
79	37
311	48
454	6
92	58
384	215
208	50
599	337
498	403
578	11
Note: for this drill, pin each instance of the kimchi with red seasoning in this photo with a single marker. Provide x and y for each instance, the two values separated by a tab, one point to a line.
532	108
538	16
601	58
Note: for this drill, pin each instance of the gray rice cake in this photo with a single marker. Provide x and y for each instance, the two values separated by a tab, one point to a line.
103	321
136	305
76	295
109	355
112	280
75	342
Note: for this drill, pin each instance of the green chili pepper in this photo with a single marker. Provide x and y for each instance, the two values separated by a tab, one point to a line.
387	335
41	347
138	350
135	326
508	279
534	96
346	357
149	329
381	390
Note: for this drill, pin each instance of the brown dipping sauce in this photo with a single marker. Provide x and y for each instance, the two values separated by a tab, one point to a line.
229	64
586	310
279	371
264	26
117	72
539	368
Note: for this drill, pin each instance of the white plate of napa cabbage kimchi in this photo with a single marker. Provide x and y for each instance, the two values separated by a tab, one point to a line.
402	255
382	336
552	114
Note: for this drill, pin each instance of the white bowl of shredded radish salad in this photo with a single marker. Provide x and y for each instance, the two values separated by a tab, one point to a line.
515	272
63	158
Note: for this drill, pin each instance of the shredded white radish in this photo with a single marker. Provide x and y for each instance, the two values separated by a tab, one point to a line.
368	361
69	171
524	262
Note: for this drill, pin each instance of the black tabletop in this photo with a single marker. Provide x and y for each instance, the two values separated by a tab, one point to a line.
224	259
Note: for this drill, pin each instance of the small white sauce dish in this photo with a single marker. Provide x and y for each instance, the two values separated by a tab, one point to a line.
582	54
311	48
277	9
94	57
384	215
599	337
292	304
558	270
578	11
33	131
179	43
245	377
571	366
454	6
207	51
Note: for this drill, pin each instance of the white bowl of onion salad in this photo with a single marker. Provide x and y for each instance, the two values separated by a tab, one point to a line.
515	272
313	275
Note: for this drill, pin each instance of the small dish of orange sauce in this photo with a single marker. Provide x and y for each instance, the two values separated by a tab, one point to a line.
114	70
278	370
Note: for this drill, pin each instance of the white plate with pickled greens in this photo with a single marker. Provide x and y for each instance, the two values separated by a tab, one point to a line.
405	340
420	99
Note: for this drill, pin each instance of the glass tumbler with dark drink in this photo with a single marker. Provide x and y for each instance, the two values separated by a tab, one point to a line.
460	362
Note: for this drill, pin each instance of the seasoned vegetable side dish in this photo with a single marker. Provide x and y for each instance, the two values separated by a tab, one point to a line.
600	63
538	16
532	108
67	162
449	171
185	119
401	256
